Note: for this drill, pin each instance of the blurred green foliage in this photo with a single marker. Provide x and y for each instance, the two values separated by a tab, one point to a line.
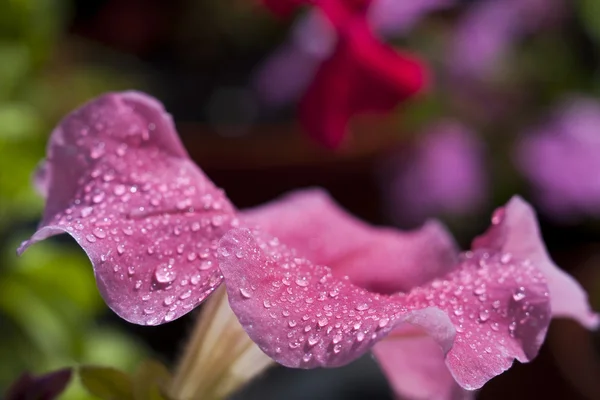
49	303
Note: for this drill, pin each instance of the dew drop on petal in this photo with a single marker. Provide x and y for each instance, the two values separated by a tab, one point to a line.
383	322
303	282
245	293
519	294
337	338
165	274
484	315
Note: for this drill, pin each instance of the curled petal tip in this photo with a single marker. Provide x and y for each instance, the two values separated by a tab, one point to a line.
119	181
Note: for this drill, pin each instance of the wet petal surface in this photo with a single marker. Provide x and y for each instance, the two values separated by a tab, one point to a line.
312	223
515	232
485	313
118	180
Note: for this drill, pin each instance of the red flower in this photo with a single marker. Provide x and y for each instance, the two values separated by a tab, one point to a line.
362	75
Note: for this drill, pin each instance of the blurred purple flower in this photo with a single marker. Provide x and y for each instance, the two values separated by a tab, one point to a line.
285	74
489	28
561	159
444	173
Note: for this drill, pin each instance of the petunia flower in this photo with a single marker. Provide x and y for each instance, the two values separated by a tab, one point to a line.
444	172
463	316
354	72
161	237
560	158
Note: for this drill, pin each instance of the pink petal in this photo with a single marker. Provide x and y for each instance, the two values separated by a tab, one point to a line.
515	232
120	183
483	314
363	75
415	367
311	222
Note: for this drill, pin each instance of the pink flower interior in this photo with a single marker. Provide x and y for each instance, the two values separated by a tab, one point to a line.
118	180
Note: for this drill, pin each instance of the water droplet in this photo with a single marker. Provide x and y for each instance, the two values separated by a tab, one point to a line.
495	326
97	151
267	304
99	233
292	323
98	198
121	149
306	357
484	315
121	248
337	348
337	338
224	252
383	322
360	336
519	294
169	300
165	274
185	294
303	282
313	340
91	238
479	290
86	211
138	285
195	279
362	306
505	258
205	265
245	293
322	322
170	316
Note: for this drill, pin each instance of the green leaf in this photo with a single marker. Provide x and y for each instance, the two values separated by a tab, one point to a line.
150	381
589	13
106	383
